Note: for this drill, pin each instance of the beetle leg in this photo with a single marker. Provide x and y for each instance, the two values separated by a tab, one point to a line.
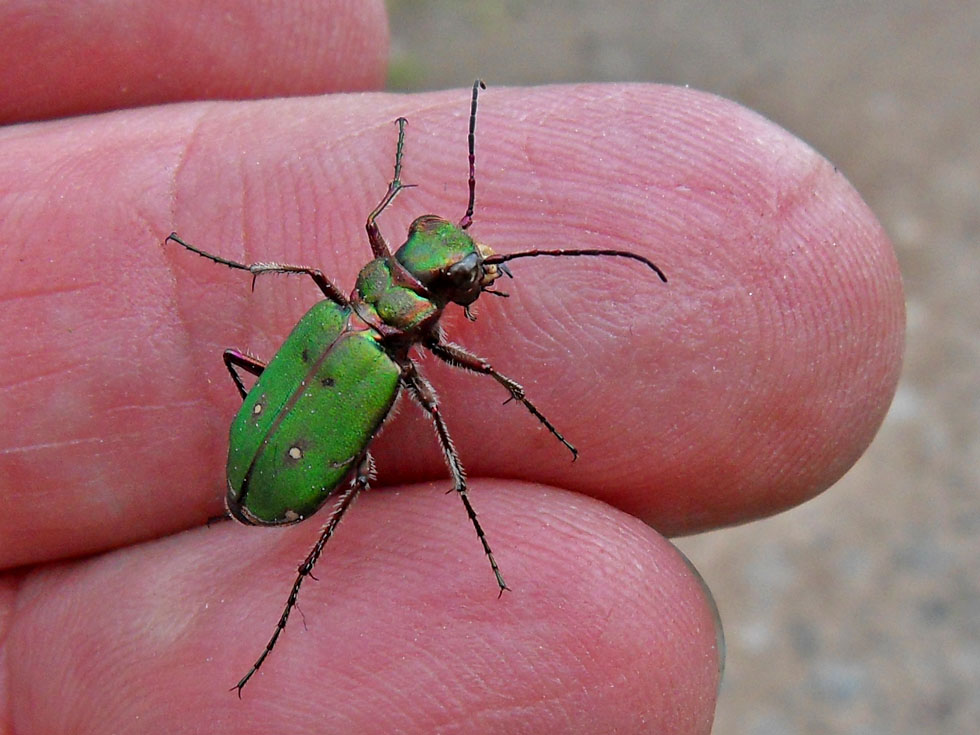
425	394
456	356
360	481
323	283
257	269
233	359
379	246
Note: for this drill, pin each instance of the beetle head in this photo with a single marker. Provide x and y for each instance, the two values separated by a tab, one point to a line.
447	261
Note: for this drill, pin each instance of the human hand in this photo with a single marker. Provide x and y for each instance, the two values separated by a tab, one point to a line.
748	383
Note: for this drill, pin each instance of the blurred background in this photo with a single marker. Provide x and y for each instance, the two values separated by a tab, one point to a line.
860	611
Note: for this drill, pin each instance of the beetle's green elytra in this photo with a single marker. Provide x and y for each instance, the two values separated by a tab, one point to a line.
307	423
308	417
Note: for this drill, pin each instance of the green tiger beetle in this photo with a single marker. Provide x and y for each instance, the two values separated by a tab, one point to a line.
308	421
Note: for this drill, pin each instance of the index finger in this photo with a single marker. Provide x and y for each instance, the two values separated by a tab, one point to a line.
746	384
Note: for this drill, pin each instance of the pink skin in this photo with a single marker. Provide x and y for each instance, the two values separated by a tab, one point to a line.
747	384
96	55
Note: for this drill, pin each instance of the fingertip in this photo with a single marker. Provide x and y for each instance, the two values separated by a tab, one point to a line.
763	370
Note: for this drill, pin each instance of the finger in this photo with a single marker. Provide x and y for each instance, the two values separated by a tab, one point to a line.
606	628
108	55
748	382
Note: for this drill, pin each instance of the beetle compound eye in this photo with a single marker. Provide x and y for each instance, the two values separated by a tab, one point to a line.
465	272
463	279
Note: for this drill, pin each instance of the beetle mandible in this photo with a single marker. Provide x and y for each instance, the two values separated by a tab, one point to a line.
346	361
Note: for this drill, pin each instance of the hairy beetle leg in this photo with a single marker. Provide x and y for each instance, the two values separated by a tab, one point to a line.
379	246
425	394
361	481
456	356
257	269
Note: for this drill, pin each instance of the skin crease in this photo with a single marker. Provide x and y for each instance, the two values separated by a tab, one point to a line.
747	384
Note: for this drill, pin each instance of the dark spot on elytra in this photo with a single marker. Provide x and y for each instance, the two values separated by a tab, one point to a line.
327	381
305	355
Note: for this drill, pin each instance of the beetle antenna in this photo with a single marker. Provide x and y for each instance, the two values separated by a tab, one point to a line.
467	219
501	258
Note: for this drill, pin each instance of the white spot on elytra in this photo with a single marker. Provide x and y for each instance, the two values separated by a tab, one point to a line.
295	453
256	409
